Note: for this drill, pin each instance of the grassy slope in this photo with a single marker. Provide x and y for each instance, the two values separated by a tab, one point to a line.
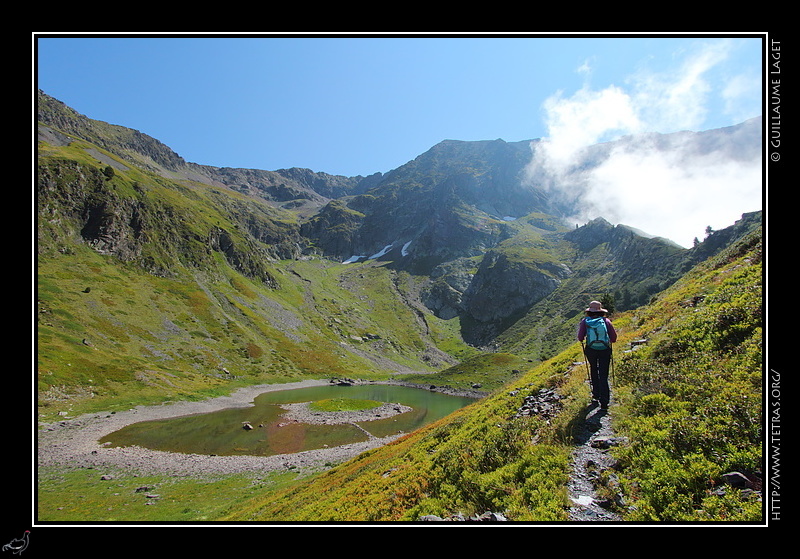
111	335
689	403
692	398
133	338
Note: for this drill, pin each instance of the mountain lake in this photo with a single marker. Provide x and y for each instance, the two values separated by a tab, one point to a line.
221	432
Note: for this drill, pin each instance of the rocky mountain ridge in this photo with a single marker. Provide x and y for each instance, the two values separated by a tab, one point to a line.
487	247
301	186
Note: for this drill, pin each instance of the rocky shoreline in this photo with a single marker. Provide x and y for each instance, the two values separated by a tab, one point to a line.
73	443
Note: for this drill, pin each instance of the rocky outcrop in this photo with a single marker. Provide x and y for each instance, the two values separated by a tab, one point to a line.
334	230
76	202
267	184
132	145
329	186
503	287
248	260
443	294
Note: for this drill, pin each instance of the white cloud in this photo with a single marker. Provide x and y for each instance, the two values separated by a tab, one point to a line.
672	193
588	117
678	99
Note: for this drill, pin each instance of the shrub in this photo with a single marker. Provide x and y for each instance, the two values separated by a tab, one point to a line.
692	401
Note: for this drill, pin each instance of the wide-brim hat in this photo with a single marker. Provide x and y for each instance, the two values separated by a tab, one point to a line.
596	306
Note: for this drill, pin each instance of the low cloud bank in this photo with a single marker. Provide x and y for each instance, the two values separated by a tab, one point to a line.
603	156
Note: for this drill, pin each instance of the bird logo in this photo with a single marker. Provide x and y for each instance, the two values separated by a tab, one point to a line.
18	545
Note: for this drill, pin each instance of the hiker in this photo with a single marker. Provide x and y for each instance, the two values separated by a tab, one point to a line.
599	334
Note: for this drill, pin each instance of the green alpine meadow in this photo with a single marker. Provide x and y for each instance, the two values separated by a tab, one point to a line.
163	283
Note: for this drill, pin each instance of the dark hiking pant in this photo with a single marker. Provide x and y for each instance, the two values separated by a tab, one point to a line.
599	364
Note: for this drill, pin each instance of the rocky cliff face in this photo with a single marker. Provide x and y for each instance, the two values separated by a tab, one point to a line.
335	229
80	203
502	287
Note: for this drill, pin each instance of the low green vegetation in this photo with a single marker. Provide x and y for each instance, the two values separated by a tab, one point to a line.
343	404
691	397
687	402
485	372
81	495
112	335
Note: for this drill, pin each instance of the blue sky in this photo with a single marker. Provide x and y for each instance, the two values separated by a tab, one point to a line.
359	105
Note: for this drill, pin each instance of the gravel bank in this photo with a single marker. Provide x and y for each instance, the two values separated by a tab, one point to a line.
73	442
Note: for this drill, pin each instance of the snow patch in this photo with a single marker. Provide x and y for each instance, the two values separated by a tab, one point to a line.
381	252
357	257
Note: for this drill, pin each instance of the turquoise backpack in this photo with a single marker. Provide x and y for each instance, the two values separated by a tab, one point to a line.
597	334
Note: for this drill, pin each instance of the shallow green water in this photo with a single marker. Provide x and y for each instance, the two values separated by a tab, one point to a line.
221	432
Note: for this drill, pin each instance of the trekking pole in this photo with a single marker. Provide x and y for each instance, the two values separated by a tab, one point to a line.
586	363
613	376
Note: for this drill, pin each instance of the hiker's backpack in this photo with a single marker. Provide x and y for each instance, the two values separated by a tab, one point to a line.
597	334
